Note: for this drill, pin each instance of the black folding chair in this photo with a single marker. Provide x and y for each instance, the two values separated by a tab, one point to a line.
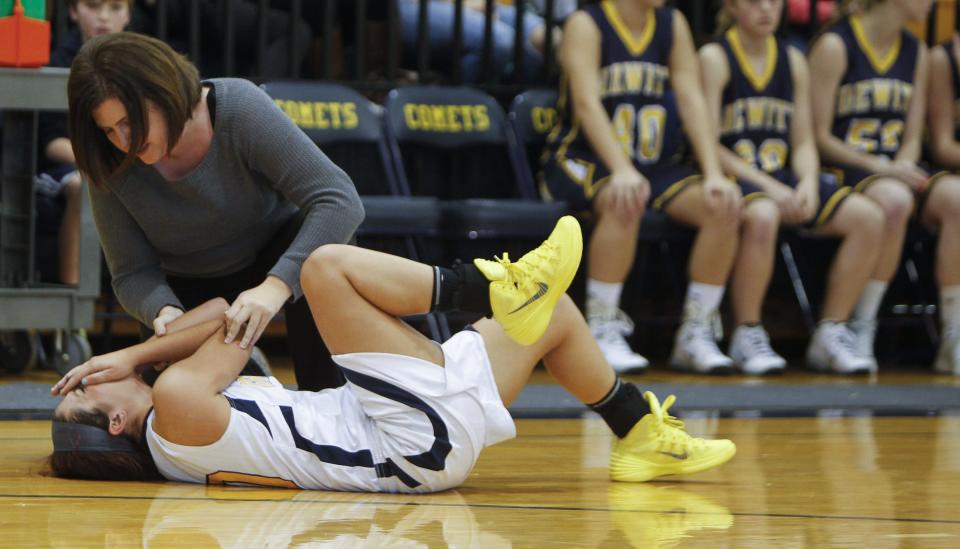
350	131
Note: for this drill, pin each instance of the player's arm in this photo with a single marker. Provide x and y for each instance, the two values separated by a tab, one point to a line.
192	328
189	406
580	59
716	75
685	73
911	145
828	63
942	117
805	161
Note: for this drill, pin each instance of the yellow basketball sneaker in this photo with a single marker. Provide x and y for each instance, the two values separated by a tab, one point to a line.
523	294
657	446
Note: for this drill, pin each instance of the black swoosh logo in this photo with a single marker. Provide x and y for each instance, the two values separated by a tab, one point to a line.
542	291
676	456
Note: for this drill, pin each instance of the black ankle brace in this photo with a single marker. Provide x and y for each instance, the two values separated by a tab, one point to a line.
622	408
460	288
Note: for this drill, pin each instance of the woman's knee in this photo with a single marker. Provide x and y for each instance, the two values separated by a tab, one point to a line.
323	263
944	198
895	200
761	221
605	209
860	217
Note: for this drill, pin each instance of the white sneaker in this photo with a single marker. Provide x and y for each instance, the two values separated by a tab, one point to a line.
611	329
833	348
751	352
695	349
948	357
864	333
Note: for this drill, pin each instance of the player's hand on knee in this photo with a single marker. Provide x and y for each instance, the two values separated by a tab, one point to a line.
905	171
722	197
809	200
787	201
253	309
99	369
166	315
911	174
629	191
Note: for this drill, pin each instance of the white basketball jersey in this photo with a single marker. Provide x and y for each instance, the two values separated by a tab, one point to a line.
371	435
268	441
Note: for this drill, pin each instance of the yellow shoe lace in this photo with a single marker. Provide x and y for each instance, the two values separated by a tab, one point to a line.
674	435
524	271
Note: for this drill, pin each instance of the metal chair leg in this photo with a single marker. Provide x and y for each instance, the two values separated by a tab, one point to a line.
799	290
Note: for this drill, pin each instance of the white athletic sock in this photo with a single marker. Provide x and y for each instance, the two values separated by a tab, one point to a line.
870	300
702	300
950	305
606	295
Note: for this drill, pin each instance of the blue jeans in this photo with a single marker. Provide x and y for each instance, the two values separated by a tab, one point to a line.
440	39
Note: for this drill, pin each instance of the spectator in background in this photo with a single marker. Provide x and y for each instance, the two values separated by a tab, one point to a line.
561	8
440	37
798	16
58	182
213	28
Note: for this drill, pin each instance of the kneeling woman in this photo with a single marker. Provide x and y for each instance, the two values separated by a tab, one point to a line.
413	416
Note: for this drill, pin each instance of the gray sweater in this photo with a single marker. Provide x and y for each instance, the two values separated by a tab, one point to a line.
260	168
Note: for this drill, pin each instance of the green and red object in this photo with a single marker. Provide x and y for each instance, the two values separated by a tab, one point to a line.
24	33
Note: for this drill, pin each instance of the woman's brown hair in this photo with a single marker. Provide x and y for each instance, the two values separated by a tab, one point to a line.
134	69
102	465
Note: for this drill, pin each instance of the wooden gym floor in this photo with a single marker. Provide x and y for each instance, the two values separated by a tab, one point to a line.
798	482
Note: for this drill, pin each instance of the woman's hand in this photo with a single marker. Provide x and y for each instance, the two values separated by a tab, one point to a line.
722	196
808	193
99	369
166	315
905	171
788	201
255	307
628	193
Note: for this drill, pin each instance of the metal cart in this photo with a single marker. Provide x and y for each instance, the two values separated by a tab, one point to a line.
25	304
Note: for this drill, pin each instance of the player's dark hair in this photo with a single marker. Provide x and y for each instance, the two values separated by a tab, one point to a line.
87	465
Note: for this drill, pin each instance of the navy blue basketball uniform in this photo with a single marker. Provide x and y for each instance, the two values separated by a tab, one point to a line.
756	117
873	98
636	94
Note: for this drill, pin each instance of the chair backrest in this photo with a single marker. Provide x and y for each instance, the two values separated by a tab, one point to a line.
449	142
532	116
345	125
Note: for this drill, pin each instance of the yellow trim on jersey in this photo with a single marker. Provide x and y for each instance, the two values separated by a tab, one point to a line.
635	45
673	190
865	183
567	140
827	212
755	195
879	65
934	179
561	106
758	81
